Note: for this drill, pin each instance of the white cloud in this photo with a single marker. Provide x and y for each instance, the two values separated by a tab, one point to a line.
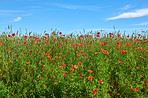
144	23
74	7
9	11
17	19
134	14
126	7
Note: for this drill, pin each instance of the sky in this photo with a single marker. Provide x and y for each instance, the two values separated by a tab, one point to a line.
71	16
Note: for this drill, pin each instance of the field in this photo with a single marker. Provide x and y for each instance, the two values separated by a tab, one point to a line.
55	65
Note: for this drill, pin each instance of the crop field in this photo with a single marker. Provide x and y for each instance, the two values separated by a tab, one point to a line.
93	65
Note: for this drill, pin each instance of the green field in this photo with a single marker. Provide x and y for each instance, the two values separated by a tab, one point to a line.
55	65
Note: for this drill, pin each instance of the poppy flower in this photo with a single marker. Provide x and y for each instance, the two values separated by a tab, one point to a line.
78	54
120	62
94	91
13	34
25	37
81	44
127	45
90	78
41	78
9	35
90	71
146	81
0	42
61	67
71	70
13	93
64	74
8	50
46	34
136	89
60	33
100	81
81	36
98	33
79	63
28	63
43	69
123	51
75	66
55	82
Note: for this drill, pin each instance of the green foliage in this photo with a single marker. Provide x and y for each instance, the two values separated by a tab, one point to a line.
81	66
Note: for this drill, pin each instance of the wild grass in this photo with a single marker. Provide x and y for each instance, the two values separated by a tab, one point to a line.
58	66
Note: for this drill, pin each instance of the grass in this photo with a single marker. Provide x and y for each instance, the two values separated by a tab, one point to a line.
58	66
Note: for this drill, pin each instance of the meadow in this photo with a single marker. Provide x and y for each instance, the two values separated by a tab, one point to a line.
92	65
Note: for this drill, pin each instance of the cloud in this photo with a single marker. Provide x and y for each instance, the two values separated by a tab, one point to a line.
134	14
74	7
17	19
9	11
126	7
144	23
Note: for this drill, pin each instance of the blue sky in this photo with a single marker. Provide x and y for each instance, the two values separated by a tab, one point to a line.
74	15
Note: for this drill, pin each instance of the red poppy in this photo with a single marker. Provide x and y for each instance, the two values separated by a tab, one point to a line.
13	93
78	54
82	36
127	45
79	63
43	69
123	51
61	67
105	51
8	50
60	33
136	89
27	63
118	35
94	91
64	74
75	66
9	35
71	70
90	78
90	71
13	34
104	43
41	78
146	81
138	34
46	34
111	33
55	82
100	81
0	42
81	44
25	37
83	55
24	42
98	35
